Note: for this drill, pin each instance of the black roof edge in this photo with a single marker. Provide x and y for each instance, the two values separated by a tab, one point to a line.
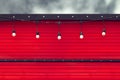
72	17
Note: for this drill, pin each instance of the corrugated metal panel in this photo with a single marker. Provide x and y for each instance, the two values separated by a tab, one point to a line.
53	71
25	45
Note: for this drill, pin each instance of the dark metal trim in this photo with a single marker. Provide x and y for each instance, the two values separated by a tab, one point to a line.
27	17
60	60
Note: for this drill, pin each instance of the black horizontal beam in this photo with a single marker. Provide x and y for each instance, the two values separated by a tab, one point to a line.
26	17
60	60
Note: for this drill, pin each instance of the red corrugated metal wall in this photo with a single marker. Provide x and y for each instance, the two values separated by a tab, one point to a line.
94	45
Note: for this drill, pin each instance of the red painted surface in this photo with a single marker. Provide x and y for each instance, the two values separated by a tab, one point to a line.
59	71
25	45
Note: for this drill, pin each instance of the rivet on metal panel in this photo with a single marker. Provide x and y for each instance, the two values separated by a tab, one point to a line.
43	16
13	17
87	16
72	16
58	16
102	16
116	16
29	16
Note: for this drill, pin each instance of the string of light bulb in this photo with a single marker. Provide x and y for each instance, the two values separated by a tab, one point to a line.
59	36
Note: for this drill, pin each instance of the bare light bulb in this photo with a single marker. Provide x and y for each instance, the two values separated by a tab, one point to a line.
59	37
14	33
37	35
103	33
81	35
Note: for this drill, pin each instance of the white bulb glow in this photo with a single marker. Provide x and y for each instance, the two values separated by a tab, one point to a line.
103	33
59	37
81	35
37	36
13	33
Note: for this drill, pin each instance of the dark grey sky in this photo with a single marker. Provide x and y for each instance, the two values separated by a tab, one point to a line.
59	6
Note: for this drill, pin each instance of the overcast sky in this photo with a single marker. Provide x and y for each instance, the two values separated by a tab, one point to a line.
59	6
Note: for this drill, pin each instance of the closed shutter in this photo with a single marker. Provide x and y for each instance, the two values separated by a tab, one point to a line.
92	46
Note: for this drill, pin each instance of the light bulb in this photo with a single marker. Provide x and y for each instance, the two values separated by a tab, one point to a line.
103	33
81	35
13	33
59	37
37	35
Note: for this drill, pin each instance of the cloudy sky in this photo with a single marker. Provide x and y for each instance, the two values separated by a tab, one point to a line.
59	7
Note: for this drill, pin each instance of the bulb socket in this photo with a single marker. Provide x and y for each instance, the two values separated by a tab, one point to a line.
37	33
